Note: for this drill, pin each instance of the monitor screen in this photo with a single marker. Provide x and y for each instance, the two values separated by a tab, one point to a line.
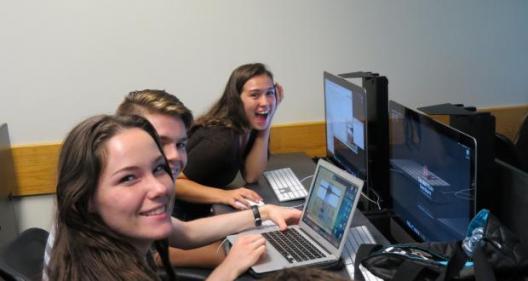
346	124
432	175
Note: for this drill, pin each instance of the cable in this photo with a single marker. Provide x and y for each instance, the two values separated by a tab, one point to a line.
464	194
377	203
305	178
296	206
221	245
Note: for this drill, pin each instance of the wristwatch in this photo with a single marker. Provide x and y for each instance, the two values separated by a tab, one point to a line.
256	214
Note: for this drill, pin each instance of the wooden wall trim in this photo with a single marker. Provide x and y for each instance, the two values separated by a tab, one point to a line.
35	168
35	165
508	119
308	137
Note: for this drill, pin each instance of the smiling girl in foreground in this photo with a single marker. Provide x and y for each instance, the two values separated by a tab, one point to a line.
114	196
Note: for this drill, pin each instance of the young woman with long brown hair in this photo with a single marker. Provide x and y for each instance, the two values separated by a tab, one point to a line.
233	136
114	197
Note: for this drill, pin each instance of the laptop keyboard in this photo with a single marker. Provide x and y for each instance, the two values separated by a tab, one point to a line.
292	245
285	184
358	235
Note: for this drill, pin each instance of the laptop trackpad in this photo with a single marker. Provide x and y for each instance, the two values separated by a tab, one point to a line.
271	260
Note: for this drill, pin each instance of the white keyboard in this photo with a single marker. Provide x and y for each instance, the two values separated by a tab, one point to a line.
285	184
358	235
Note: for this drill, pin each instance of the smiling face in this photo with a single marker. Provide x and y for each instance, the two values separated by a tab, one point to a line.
173	135
134	192
259	100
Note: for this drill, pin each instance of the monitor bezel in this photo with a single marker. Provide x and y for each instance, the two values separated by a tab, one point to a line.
443	129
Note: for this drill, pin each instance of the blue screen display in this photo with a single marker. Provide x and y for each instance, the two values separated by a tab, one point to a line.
330	205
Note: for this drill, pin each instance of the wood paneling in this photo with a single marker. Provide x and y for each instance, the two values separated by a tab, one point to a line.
508	118
36	164
299	137
35	168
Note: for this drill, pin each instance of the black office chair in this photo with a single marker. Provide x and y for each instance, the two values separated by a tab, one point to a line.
521	142
506	151
22	259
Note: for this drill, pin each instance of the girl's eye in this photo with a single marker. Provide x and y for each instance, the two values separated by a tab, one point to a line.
270	93
161	169
127	179
181	145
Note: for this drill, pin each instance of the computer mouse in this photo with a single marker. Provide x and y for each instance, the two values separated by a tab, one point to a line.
240	205
253	203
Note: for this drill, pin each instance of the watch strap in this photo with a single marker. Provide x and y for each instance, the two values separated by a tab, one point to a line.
256	214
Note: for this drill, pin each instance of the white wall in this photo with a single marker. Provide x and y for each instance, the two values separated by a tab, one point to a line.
61	61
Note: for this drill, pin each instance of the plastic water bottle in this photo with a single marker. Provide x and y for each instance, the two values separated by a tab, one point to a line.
471	242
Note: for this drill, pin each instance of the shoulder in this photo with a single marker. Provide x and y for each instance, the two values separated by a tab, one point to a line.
211	139
208	130
215	133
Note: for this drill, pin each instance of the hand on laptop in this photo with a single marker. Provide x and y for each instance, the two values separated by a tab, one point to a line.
281	216
244	253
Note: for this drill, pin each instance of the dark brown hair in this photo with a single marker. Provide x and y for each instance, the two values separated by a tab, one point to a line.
228	111
85	247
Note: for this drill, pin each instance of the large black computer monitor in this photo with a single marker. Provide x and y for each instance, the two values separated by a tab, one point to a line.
346	124
8	221
432	175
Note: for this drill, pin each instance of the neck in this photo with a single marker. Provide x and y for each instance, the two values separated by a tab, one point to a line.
142	247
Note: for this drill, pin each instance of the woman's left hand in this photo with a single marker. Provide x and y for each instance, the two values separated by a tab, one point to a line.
279	93
279	96
281	216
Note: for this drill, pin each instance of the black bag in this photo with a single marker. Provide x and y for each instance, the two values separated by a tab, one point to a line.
497	255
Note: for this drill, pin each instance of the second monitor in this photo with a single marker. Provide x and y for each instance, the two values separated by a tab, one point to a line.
346	124
357	131
432	175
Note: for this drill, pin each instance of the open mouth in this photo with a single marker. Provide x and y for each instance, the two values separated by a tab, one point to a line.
155	212
262	114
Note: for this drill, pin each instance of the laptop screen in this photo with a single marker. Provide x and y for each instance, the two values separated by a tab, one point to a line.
330	205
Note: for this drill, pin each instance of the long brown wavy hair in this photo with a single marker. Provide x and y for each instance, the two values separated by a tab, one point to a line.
85	247
228	111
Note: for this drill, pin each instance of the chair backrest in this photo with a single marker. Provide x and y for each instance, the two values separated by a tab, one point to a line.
506	151
521	142
512	198
22	259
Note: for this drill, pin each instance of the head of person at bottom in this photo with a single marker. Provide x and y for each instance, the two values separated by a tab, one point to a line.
114	198
304	274
249	100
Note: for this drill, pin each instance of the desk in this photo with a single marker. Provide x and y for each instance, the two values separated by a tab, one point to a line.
302	166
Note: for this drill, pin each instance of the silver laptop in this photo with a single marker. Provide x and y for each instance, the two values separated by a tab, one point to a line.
320	236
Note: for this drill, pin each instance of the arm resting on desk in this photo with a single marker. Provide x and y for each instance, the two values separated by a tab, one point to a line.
199	232
257	158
